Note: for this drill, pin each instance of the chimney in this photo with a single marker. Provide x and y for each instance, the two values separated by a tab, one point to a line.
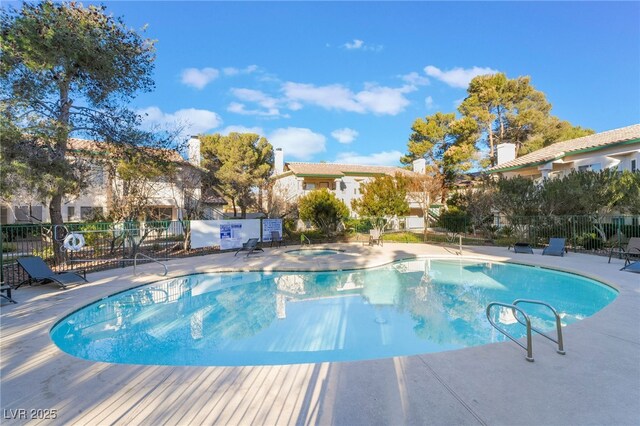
420	166
278	161
193	150
505	152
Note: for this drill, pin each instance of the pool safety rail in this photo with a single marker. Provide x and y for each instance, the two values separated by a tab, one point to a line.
527	323
158	261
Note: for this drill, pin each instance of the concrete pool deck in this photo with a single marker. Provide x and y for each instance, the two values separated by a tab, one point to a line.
596	382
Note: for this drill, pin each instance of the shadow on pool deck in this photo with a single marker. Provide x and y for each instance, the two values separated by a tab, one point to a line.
597	382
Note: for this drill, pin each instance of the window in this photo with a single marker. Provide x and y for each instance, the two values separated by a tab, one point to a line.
634	165
28	214
596	167
90	213
309	186
634	221
71	212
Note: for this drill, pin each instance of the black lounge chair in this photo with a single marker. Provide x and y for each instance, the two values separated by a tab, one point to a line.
5	288
276	238
39	271
522	248
250	246
556	247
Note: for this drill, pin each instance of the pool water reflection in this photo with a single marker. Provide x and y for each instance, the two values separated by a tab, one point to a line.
257	318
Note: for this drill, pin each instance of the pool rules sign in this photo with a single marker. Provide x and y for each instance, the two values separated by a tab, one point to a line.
269	225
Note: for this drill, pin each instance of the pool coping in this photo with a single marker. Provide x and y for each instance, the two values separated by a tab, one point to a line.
596	382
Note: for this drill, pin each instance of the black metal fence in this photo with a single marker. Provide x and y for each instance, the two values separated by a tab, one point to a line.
583	233
106	245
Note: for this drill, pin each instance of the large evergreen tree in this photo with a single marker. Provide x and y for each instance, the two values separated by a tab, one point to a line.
239	162
66	70
447	145
512	110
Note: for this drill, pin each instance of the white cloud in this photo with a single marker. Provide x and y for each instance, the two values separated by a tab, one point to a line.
199	78
239	108
428	102
358	44
193	121
250	95
384	158
377	99
457	77
229	71
241	129
355	44
415	79
383	100
298	143
344	135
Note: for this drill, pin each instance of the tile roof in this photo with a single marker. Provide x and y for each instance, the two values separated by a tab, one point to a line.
333	169
561	149
91	146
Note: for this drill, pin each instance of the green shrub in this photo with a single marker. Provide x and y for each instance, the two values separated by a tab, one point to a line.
454	220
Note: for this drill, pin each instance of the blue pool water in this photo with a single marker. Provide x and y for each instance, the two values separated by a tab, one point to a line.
257	318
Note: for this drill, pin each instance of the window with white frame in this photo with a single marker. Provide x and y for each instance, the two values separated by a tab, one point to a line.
595	167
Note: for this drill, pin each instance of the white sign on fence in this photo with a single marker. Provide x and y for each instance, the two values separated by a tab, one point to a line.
227	234
269	225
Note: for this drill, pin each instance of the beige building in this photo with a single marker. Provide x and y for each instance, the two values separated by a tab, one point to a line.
618	148
295	179
167	199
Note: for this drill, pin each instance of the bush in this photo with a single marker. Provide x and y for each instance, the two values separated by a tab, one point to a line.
453	220
590	241
323	209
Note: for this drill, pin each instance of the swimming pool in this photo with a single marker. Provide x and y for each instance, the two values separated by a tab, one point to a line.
262	318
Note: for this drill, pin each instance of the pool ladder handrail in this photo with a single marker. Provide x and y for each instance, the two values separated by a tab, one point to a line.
515	309
528	347
135	263
559	340
303	238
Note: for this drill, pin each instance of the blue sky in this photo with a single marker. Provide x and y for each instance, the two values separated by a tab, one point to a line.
343	82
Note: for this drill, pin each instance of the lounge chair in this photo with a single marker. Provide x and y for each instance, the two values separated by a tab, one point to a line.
5	288
276	238
39	271
250	246
375	237
522	248
556	247
632	267
631	250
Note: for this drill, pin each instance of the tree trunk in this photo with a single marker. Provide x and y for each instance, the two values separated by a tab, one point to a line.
60	151
491	143
55	213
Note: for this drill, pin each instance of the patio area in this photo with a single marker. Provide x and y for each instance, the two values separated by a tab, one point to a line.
596	382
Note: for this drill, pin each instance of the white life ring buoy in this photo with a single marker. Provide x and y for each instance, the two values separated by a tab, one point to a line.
73	241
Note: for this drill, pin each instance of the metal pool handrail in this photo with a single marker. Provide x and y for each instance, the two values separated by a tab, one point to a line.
560	349
135	262
514	308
